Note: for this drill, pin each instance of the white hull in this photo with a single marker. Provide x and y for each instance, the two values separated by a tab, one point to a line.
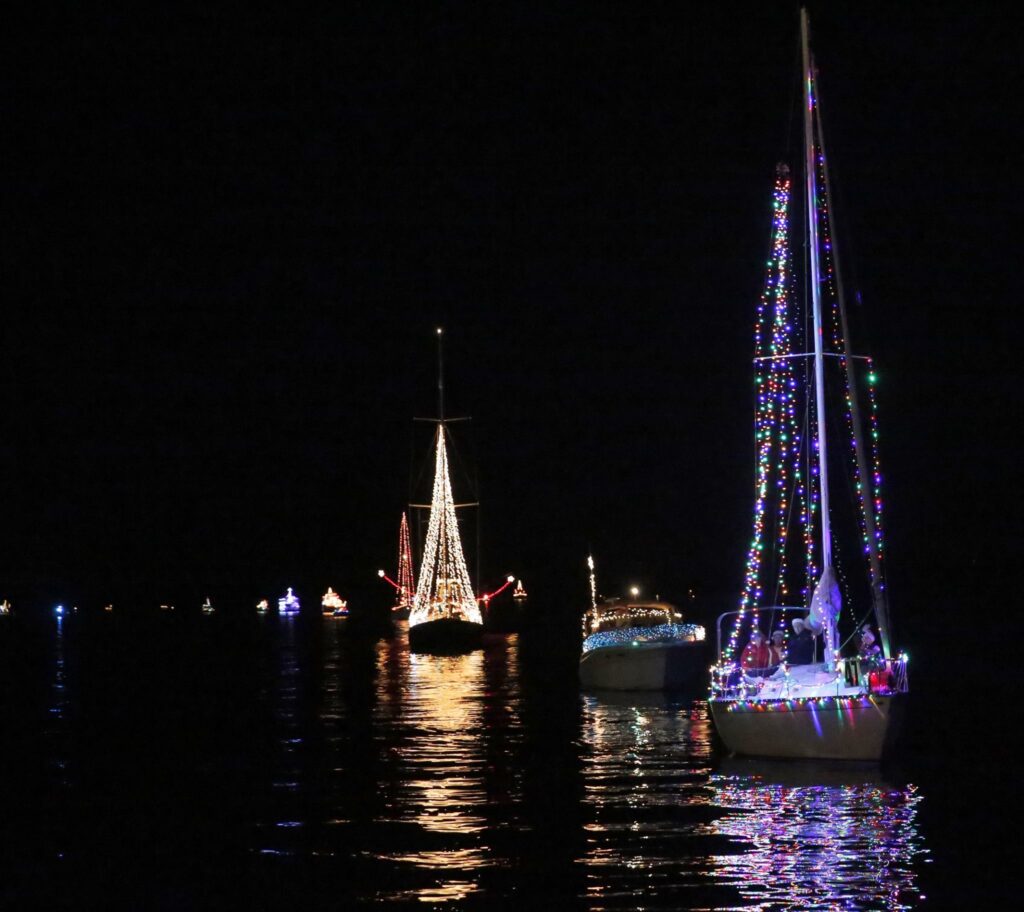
645	666
840	728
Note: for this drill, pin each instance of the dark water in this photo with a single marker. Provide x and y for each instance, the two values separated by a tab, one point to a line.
183	762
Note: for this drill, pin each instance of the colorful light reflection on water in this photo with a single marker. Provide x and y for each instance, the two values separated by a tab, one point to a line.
816	837
670	825
431	785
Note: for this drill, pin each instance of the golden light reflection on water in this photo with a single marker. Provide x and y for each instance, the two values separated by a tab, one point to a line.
441	788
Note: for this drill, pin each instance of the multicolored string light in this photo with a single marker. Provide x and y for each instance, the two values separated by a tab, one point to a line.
779	479
868	489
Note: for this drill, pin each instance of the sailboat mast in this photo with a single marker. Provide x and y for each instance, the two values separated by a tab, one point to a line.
440	375
812	240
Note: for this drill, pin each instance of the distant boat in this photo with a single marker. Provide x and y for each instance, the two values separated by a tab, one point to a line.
5	608
519	593
166	607
406	589
639	645
288	604
108	608
262	606
334	605
844	707
445	616
207	606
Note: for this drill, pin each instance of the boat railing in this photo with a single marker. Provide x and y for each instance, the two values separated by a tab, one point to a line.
636	636
779	609
730	681
878	675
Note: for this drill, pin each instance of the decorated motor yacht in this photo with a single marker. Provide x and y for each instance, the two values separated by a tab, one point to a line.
333	605
288	604
640	645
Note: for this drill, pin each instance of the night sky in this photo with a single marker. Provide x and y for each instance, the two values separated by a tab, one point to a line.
228	237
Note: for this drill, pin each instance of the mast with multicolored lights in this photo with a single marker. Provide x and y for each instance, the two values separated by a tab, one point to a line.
808	387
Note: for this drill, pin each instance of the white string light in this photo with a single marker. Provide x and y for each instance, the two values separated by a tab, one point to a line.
444	589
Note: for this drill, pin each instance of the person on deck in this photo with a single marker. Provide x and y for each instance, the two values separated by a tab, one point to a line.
802	646
778	647
757	657
869	651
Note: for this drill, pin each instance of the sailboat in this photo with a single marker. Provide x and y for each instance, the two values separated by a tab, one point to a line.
207	607
445	615
519	593
405	588
784	700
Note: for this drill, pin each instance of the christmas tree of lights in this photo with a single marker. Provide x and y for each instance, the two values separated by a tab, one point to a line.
406	589
783	495
444	589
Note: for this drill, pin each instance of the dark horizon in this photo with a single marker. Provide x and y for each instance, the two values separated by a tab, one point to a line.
229	241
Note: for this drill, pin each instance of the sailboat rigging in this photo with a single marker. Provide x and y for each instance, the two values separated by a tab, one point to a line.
444	615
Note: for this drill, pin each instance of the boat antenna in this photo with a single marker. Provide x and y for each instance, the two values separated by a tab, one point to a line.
593	581
810	90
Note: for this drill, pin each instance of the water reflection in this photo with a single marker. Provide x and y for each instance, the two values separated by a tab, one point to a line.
645	773
57	729
308	763
442	788
486	777
816	837
287	694
667	827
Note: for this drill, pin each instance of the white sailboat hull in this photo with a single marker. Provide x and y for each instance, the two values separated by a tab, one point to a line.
847	728
644	666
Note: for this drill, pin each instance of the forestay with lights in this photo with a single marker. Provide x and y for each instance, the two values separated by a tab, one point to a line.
839	697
